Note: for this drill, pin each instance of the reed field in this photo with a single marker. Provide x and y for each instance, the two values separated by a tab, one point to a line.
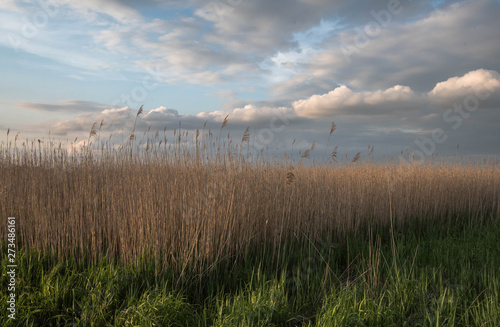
203	231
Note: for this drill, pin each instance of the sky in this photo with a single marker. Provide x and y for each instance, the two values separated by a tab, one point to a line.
422	76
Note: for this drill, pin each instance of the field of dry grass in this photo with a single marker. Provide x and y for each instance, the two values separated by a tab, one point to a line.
200	203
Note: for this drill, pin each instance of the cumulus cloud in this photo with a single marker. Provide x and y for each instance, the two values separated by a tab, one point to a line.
395	104
344	101
401	100
408	117
120	121
480	83
254	114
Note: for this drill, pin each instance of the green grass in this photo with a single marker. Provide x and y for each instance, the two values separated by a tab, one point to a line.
434	275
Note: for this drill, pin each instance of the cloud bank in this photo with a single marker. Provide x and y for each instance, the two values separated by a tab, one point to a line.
457	105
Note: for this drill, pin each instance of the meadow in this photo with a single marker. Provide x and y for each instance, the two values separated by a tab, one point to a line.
156	232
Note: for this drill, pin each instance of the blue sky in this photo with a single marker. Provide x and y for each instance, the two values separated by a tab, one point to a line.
394	74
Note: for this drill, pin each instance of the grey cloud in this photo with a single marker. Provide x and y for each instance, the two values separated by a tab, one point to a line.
452	41
115	120
175	48
65	106
275	128
362	13
120	122
396	112
300	86
263	27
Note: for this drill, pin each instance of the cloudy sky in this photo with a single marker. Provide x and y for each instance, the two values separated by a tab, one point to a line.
394	74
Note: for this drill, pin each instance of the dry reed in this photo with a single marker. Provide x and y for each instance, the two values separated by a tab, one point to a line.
187	206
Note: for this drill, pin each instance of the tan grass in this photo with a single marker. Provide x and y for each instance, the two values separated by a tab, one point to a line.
191	207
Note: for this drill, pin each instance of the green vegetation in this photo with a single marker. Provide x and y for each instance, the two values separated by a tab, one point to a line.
438	277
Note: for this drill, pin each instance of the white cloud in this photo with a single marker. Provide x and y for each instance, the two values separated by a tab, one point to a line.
480	80
161	113
343	100
401	101
255	114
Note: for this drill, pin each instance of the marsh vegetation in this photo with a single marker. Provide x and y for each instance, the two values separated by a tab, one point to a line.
206	233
